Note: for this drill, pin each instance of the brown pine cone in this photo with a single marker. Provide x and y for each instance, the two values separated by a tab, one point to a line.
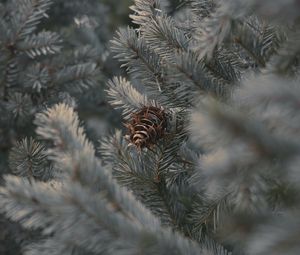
146	127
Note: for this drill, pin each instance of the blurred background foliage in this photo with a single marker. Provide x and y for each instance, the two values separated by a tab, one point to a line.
88	23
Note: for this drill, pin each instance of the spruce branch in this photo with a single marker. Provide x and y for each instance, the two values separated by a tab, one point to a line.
282	12
189	69
144	11
143	63
245	151
78	77
60	124
28	15
167	40
285	60
265	94
132	171
146	175
42	206
138	58
28	159
53	245
11	75
226	64
37	78
202	8
204	215
162	35
43	43
19	106
236	125
102	227
123	95
212	32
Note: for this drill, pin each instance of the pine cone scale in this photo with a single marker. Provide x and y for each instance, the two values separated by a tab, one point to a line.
146	126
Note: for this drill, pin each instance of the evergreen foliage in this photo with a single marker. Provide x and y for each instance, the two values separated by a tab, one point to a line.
34	68
39	68
224	178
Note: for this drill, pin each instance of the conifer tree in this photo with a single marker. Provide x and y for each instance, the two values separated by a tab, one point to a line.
208	161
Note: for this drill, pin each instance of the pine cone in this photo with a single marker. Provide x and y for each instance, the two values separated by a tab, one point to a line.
146	127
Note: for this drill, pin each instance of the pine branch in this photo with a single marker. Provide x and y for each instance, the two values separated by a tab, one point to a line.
238	126
37	78
78	205
212	32
139	59
163	29
143	63
193	76
282	12
43	43
131	171
61	125
28	16
54	246
287	57
19	106
265	93
144	10
28	159
146	175
11	75
162	35
102	227
204	216
123	95
226	64
240	158
202	8
259	41
77	77
89	211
